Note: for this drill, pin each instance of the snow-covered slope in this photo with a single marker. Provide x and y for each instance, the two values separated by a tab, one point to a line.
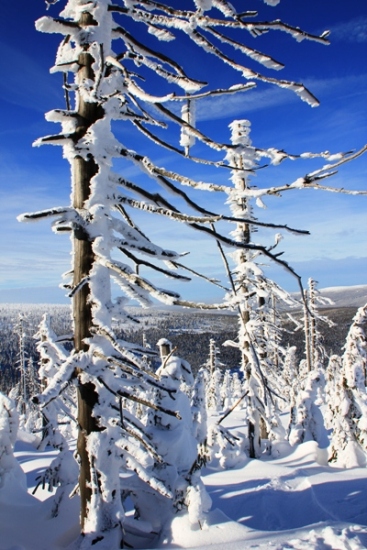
292	501
345	296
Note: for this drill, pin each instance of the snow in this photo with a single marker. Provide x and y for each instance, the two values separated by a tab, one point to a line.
291	501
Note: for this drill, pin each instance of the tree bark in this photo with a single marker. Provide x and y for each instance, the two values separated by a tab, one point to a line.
83	259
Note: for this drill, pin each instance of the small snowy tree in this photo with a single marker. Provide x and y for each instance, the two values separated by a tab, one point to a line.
308	420
179	470
349	437
314	350
333	388
214	377
10	471
20	391
226	390
58	414
198	408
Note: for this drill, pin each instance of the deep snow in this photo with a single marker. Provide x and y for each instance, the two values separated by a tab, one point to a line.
293	500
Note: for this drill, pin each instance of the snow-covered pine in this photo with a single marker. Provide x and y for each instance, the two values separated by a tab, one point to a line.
58	418
291	379
214	377
289	373
237	390
308	418
213	394
32	420
349	438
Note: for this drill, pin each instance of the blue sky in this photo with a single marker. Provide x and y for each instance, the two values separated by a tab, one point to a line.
32	258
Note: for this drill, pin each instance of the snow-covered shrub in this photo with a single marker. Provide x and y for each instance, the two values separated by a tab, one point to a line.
225	447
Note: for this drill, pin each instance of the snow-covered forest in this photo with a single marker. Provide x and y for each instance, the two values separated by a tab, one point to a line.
305	488
110	440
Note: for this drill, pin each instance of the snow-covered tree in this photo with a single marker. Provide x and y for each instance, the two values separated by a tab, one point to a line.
180	469
253	296
199	411
214	377
226	393
333	388
20	391
251	292
308	419
213	396
349	437
10	471
314	349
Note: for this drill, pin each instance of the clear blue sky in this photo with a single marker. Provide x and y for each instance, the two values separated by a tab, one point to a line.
32	258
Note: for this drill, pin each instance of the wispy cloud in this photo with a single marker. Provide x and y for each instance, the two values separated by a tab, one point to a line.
354	30
24	82
229	106
259	99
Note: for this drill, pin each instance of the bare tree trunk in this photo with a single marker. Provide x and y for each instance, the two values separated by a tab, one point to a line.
307	334
83	171
313	334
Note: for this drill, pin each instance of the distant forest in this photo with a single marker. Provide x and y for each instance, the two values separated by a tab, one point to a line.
189	331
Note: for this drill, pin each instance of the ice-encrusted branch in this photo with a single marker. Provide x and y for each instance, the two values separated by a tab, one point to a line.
131	397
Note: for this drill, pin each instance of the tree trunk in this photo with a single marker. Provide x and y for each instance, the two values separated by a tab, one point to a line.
83	171
307	334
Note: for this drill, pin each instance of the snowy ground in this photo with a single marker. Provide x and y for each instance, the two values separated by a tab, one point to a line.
293	501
